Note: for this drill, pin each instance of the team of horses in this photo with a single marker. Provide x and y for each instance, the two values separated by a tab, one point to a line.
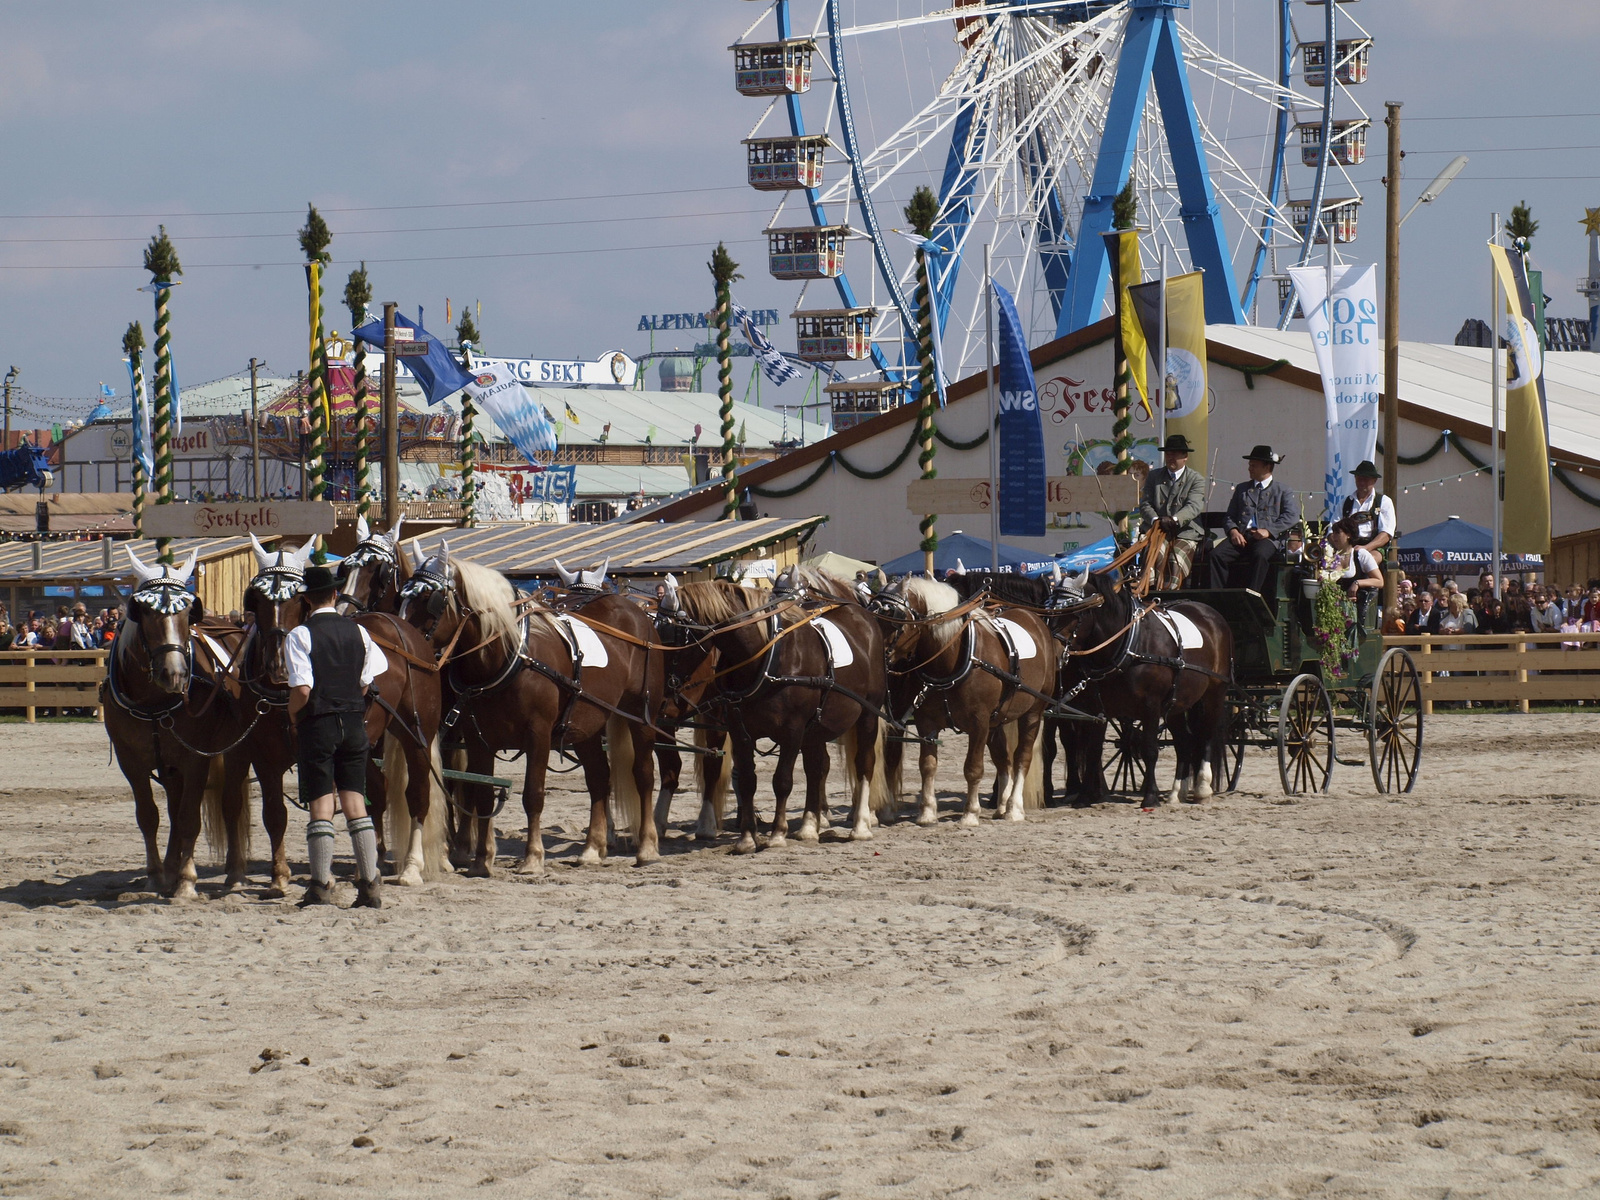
478	670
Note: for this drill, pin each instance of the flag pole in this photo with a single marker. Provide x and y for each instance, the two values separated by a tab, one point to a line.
994	431
1161	355
1495	378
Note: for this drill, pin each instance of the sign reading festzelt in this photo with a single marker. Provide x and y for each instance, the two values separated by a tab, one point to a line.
1062	494
238	518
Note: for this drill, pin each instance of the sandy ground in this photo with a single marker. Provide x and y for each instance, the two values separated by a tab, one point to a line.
1344	995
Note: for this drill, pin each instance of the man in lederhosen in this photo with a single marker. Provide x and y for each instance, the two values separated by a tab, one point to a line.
331	662
1372	510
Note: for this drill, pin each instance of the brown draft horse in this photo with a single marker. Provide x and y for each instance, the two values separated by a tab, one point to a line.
1131	664
534	680
404	718
169	715
960	673
791	679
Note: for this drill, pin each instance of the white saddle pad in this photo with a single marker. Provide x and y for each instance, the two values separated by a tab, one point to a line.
1184	630
594	650
838	645
224	659
1021	640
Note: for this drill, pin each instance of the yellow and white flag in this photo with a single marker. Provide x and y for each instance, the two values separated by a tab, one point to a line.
1127	270
1526	528
1188	400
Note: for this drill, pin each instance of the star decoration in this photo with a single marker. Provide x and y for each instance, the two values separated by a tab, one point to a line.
1591	220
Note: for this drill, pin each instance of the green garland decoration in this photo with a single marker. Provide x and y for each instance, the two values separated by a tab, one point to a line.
1451	438
1250	373
926	397
133	347
837	457
723	273
161	260
955	445
469	463
316	463
357	295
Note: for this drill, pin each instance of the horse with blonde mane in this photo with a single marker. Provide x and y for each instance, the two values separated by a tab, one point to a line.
984	670
800	672
519	676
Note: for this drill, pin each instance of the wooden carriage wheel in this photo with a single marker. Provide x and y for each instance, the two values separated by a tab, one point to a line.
1305	736
1233	746
1394	723
1121	763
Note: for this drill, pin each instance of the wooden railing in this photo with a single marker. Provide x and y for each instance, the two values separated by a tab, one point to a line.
34	679
1505	668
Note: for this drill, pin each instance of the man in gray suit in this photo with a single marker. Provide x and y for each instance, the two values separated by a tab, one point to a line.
1173	500
1259	517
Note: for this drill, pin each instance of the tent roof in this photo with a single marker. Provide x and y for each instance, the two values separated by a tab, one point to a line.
85	560
971	552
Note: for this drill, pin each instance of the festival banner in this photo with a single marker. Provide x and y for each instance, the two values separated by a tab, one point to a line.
1526	524
141	422
1127	270
437	371
778	369
1349	352
1189	404
1021	445
496	391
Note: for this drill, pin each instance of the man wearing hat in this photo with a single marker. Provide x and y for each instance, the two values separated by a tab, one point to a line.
1172	500
1260	516
331	662
1372	510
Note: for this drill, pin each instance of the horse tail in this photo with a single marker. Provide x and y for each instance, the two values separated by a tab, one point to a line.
397	814
435	853
719	786
214	812
1033	784
883	799
626	805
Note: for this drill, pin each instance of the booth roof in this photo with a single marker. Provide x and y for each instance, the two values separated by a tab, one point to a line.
521	550
85	561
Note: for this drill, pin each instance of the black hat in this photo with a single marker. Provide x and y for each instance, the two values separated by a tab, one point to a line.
320	578
1176	443
1368	468
1264	454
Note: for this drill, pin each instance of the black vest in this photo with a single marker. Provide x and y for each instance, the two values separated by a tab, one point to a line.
337	656
1367	522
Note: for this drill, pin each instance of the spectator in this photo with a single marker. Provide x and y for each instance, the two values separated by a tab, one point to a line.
1394	624
1493	617
1426	617
1547	614
8	635
1572	605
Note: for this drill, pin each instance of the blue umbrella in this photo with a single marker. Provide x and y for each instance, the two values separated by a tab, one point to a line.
973	554
1085	558
1454	547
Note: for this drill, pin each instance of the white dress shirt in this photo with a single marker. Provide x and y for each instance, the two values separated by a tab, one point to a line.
297	649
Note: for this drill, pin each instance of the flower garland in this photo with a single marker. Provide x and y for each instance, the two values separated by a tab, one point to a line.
1333	616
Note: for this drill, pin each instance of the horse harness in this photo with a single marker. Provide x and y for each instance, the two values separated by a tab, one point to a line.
1128	656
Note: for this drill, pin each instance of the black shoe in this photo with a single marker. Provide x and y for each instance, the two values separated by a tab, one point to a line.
316	893
369	895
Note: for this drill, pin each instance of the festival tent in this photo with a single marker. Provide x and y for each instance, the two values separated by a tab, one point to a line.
973	555
1456	547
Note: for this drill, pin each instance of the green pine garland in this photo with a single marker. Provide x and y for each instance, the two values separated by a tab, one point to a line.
723	272
133	347
357	295
314	240
161	260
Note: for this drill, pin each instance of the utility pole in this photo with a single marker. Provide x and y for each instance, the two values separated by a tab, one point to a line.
1496	379
11	377
255	437
391	425
1391	345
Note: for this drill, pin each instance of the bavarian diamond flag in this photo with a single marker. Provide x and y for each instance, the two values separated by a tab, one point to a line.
495	389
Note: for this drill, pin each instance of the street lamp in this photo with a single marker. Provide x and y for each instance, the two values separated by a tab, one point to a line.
1435	189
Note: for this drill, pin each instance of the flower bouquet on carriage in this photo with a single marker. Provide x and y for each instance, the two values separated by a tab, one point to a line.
1333	614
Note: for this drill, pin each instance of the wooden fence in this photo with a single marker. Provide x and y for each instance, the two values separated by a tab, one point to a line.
1493	668
33	679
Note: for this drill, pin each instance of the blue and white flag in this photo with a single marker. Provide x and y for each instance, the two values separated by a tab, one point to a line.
495	389
437	371
1021	446
1350	357
774	365
140	431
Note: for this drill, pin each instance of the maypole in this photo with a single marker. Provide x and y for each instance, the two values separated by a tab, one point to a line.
133	347
723	272
467	339
161	260
314	239
1124	212
357	295
920	215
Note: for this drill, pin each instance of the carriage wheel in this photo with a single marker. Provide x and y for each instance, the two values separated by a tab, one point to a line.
1305	736
1121	762
1233	746
1394	723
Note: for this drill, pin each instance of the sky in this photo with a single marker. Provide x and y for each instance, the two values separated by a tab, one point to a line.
570	166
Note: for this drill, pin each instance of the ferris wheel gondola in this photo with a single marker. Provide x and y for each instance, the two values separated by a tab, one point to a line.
1032	115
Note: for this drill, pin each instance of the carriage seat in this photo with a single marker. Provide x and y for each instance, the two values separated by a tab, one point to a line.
1215	524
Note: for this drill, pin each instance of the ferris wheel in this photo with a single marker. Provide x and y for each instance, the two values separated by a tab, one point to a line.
1026	117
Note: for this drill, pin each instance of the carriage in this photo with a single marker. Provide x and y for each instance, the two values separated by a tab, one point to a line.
1283	699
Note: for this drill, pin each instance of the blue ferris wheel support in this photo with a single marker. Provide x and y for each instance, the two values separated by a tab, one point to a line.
1151	49
1280	148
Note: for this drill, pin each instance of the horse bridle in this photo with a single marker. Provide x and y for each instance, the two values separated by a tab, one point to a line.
277	584
374	552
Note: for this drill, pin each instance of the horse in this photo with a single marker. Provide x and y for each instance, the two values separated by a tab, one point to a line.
404	719
535	680
801	674
985	671
1147	664
159	658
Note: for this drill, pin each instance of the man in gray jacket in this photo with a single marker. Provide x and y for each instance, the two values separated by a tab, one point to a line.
1172	501
1259	517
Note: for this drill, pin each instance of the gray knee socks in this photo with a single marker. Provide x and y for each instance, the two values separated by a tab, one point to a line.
319	849
365	843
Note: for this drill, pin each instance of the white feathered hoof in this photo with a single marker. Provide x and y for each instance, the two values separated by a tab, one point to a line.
645	857
1202	785
968	819
411	876
184	891
533	864
861	833
591	857
1015	813
928	816
808	829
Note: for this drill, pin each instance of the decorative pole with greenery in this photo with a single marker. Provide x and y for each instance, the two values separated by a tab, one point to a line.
357	295
161	260
467	339
920	215
1521	227
133	347
314	239
723	273
1124	215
